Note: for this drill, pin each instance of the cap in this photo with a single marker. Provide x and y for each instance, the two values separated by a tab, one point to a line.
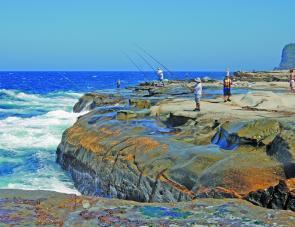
198	80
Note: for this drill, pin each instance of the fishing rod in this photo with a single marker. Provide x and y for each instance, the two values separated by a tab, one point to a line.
133	62
148	54
146	61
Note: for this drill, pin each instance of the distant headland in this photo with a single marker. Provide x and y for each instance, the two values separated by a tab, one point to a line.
288	57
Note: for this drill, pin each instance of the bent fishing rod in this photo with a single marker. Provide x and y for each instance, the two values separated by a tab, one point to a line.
133	63
152	57
146	61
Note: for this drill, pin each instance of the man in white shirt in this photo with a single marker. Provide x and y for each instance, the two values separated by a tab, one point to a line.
198	93
160	75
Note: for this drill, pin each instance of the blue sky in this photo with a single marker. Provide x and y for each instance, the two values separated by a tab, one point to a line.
184	35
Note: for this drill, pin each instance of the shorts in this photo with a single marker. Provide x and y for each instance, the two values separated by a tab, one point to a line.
197	98
226	91
292	83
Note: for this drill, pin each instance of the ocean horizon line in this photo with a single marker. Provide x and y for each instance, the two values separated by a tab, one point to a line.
148	71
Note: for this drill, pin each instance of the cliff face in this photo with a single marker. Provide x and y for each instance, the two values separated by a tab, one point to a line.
288	57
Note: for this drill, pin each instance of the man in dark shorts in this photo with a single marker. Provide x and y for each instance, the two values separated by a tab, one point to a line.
226	88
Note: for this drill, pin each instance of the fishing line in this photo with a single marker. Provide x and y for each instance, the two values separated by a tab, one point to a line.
148	54
146	61
133	62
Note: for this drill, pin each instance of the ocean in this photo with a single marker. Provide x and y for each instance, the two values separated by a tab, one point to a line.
35	109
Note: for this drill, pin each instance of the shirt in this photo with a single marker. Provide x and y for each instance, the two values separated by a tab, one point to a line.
198	89
227	83
160	74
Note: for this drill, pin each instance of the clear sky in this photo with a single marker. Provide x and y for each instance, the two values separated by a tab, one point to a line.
182	34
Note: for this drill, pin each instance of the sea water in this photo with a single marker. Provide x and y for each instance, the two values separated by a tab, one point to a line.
35	109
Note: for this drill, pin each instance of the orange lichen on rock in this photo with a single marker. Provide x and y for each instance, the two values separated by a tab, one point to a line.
128	157
44	216
91	143
218	192
89	139
145	144
245	180
73	134
177	186
288	184
70	203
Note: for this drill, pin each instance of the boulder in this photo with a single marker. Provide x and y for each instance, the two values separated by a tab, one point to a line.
180	118
140	103
256	133
126	115
130	114
90	101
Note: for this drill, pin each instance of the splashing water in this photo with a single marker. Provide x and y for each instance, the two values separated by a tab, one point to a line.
30	130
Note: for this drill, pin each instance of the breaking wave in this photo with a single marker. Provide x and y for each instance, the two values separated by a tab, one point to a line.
31	126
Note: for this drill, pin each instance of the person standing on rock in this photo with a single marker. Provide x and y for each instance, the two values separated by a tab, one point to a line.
292	81
118	83
227	87
198	90
160	75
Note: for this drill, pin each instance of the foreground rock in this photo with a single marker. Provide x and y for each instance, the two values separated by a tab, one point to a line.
30	208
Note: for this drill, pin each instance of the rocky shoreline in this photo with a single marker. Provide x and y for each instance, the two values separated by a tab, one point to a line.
145	144
149	146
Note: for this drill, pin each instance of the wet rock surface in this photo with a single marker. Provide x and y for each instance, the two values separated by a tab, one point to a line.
256	133
153	148
116	158
35	208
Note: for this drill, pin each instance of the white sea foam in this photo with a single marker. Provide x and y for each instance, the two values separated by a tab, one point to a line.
47	184
31	142
36	132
